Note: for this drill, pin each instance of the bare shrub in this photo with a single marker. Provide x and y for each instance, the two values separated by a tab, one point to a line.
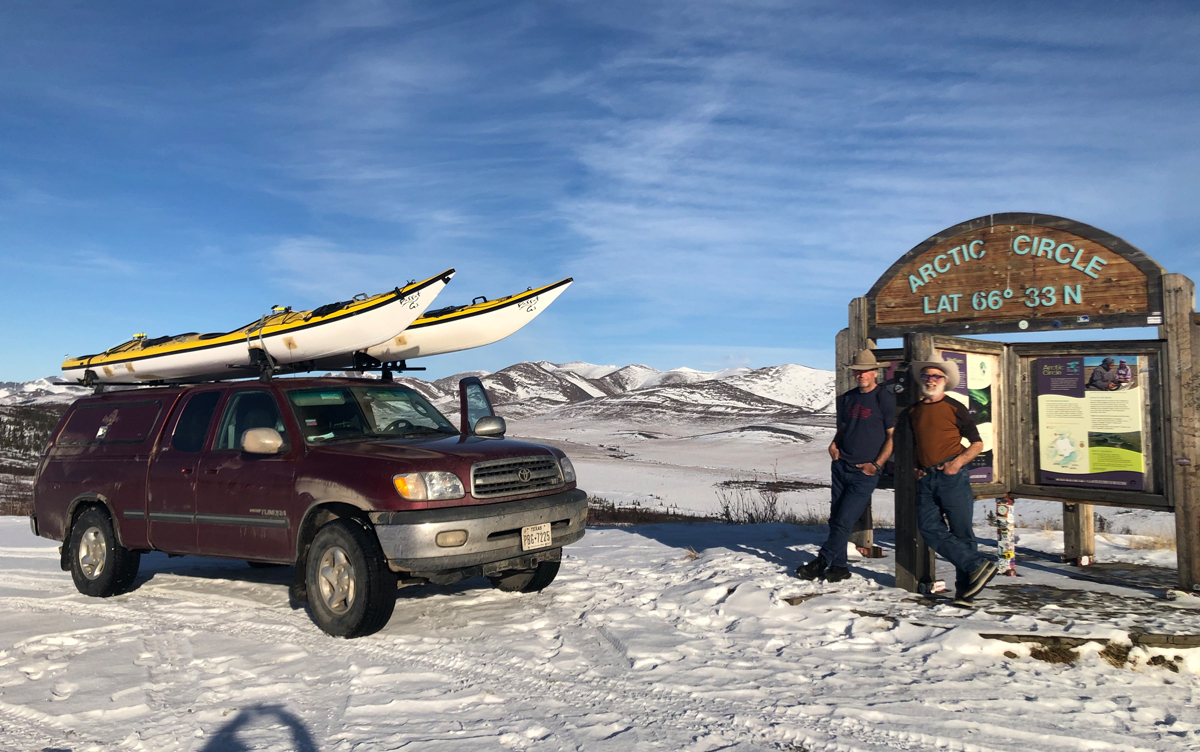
604	512
16	508
1157	540
748	505
754	504
1116	655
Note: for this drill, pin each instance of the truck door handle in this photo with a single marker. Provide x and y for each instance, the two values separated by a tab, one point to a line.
211	471
185	470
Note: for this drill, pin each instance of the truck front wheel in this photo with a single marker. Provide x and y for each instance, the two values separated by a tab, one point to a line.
527	580
100	566
351	592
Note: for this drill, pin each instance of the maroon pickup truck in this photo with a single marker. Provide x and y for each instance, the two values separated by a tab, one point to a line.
361	484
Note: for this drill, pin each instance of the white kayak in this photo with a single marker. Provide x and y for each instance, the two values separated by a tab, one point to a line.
285	340
458	328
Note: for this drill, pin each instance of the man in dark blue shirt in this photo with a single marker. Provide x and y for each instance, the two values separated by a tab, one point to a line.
866	417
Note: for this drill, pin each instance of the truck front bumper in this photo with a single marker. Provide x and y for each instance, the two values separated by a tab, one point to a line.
493	532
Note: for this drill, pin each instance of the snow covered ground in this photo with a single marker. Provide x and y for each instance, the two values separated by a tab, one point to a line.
640	644
660	637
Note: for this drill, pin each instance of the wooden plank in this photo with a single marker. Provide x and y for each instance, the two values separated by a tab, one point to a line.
914	560
1048	324
1183	415
1089	347
841	356
1097	496
966	344
863	533
1015	428
1079	531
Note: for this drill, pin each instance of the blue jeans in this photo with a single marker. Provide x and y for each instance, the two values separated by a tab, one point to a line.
852	490
945	509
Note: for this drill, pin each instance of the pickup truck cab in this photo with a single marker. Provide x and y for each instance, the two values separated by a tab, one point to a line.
360	483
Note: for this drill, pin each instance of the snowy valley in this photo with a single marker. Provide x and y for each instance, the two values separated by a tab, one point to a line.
684	636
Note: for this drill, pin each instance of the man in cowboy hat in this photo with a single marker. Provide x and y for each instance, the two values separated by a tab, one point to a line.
945	502
863	442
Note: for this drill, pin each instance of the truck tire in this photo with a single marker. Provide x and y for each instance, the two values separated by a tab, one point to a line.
100	566
528	580
351	591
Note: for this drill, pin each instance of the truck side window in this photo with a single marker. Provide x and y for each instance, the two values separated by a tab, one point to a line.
248	410
193	422
120	423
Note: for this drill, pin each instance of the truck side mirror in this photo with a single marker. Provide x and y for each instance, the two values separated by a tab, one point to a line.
490	426
473	404
262	441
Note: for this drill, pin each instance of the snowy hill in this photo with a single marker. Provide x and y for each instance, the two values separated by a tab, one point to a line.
39	392
534	389
706	400
586	391
791	384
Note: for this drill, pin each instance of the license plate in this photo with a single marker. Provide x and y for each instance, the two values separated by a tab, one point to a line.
535	536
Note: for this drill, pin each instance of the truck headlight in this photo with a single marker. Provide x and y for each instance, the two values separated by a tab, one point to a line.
433	486
568	470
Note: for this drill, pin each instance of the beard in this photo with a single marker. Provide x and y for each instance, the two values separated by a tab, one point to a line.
933	390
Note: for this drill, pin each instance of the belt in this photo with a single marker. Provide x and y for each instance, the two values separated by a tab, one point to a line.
937	465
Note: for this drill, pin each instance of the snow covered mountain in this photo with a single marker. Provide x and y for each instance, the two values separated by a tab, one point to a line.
39	392
584	391
587	391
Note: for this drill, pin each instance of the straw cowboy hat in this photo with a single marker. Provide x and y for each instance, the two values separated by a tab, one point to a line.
948	367
865	361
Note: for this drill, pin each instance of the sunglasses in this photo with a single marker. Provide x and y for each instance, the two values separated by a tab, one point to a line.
932	377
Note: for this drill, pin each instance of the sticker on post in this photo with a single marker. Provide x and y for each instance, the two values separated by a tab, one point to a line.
535	536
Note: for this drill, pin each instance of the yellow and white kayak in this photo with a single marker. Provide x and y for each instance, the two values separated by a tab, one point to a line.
282	339
458	328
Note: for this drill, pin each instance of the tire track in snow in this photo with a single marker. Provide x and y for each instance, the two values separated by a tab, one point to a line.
663	717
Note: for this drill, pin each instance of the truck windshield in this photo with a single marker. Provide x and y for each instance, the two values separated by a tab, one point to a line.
357	412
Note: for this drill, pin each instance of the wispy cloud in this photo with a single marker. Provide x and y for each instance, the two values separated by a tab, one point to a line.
722	176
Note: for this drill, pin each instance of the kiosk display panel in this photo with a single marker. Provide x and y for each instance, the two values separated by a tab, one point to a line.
979	373
1090	421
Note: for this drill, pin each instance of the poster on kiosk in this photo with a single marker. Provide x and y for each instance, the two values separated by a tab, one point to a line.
1090	429
978	374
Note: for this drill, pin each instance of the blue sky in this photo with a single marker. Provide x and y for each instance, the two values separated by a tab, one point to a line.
720	178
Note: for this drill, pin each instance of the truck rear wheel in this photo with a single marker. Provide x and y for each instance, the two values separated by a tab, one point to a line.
100	566
351	592
528	580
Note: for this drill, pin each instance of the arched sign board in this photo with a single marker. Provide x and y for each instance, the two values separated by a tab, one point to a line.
1016	272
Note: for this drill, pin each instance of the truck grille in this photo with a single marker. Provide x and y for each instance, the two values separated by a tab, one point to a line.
518	475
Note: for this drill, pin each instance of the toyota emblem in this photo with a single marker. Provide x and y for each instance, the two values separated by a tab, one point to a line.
524	474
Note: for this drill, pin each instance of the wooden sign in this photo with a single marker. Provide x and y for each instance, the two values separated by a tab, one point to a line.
1013	272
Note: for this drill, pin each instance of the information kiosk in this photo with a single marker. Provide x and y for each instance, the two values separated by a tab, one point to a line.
1100	422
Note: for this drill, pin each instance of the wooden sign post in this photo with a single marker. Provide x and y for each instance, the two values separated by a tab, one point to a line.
1033	272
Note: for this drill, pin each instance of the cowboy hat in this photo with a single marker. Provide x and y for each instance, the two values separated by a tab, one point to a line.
948	367
865	361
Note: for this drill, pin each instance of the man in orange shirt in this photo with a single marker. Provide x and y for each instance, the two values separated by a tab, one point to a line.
945	502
